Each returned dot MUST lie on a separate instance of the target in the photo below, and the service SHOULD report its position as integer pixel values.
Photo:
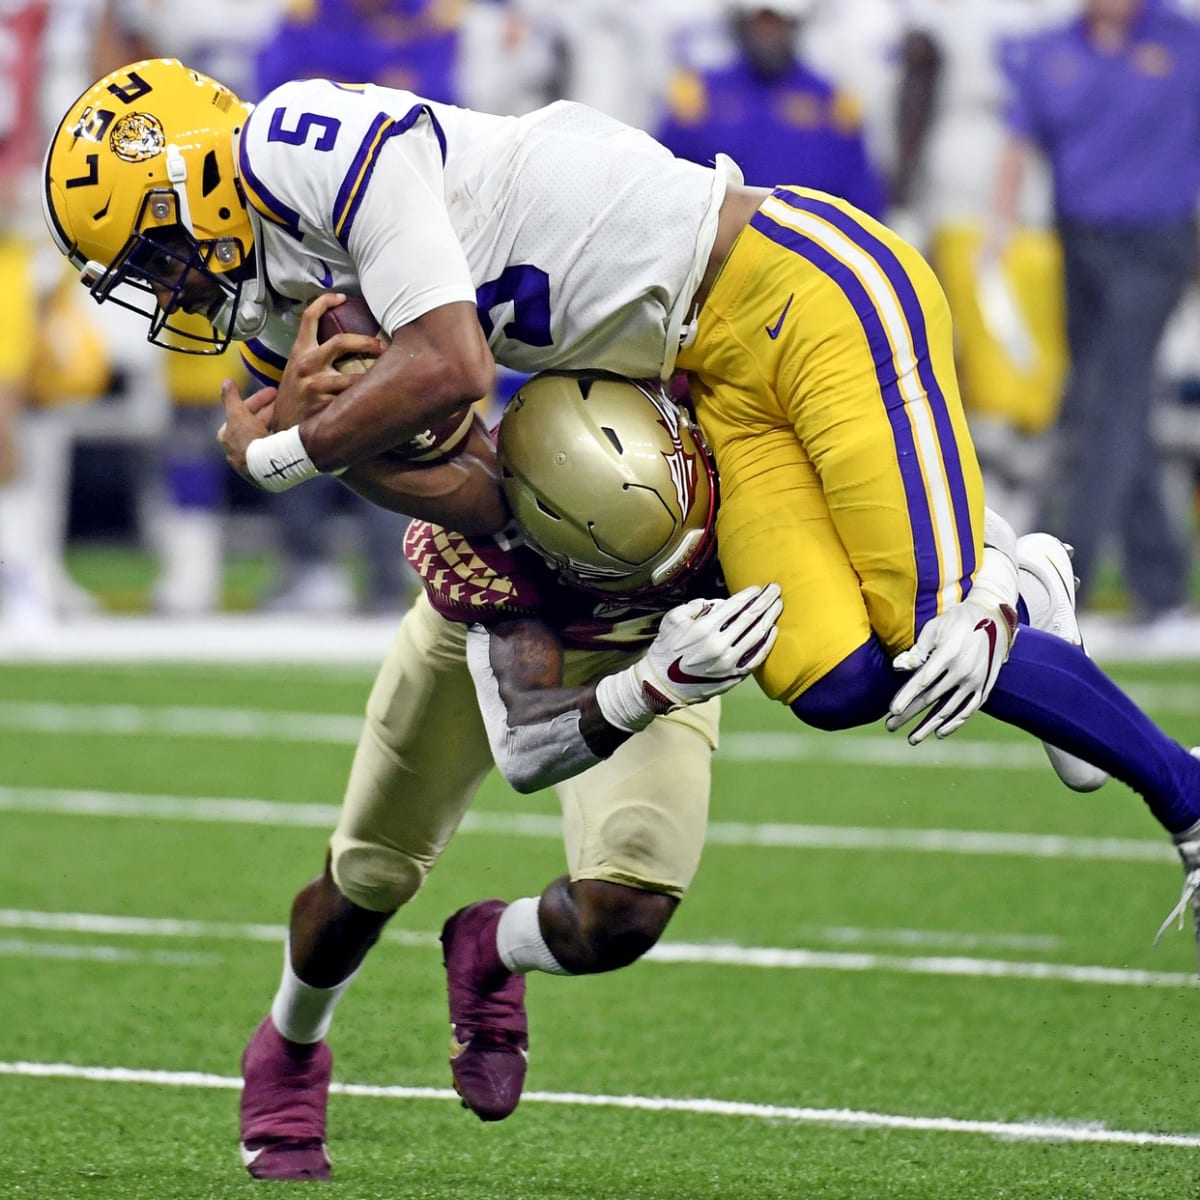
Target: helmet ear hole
(611, 434)
(545, 508)
(210, 176)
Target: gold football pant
(823, 375)
(637, 818)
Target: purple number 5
(529, 290)
(305, 124)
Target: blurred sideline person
(502, 660)
(526, 655)
(771, 113)
(50, 358)
(185, 517)
(1005, 292)
(1112, 100)
(817, 344)
(411, 44)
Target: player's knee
(856, 692)
(379, 878)
(618, 924)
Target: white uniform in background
(967, 131)
(350, 182)
(217, 37)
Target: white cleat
(1048, 589)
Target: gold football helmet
(140, 193)
(609, 480)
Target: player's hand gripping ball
(433, 445)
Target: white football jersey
(580, 240)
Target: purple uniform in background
(795, 128)
(1117, 113)
(408, 44)
(1121, 129)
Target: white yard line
(1027, 1131)
(169, 927)
(848, 935)
(673, 953)
(132, 720)
(12, 948)
(246, 811)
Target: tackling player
(506, 660)
(817, 342)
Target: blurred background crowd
(1044, 154)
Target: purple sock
(1053, 690)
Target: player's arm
(460, 492)
(432, 367)
(542, 732)
(920, 71)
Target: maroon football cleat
(284, 1092)
(489, 1034)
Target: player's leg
(1053, 690)
(420, 759)
(633, 830)
(824, 381)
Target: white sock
(302, 1013)
(520, 943)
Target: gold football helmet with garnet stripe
(140, 193)
(609, 481)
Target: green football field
(905, 973)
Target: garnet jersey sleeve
(485, 580)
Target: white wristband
(279, 461)
(621, 702)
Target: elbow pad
(533, 756)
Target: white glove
(955, 662)
(703, 648)
(958, 654)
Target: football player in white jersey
(563, 239)
(818, 346)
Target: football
(354, 316)
(433, 445)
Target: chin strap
(253, 311)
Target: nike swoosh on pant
(773, 330)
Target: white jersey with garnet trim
(486, 580)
